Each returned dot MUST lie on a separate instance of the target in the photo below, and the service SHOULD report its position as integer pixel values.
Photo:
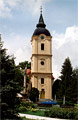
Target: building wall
(47, 86)
(42, 71)
(36, 45)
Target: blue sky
(18, 19)
(58, 15)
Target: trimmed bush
(22, 109)
(63, 113)
(34, 105)
(76, 106)
(25, 106)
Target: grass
(26, 118)
(55, 112)
(44, 108)
(38, 112)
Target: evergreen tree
(73, 89)
(68, 86)
(9, 85)
(56, 89)
(34, 94)
(66, 78)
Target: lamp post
(25, 76)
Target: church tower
(41, 60)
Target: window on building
(42, 46)
(42, 62)
(42, 80)
(42, 37)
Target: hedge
(63, 113)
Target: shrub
(22, 109)
(69, 103)
(34, 105)
(63, 113)
(60, 102)
(33, 110)
(26, 104)
(23, 106)
(34, 95)
(76, 106)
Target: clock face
(42, 37)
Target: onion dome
(41, 27)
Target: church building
(41, 60)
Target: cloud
(4, 9)
(7, 6)
(19, 46)
(34, 5)
(65, 45)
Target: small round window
(42, 62)
(42, 37)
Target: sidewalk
(37, 117)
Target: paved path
(37, 117)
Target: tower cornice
(37, 37)
(42, 54)
(47, 73)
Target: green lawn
(38, 112)
(27, 119)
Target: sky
(18, 19)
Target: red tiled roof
(28, 71)
(53, 77)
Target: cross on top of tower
(41, 20)
(41, 9)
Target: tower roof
(41, 27)
(41, 22)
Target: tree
(66, 77)
(67, 84)
(73, 89)
(75, 81)
(10, 85)
(19, 77)
(22, 65)
(56, 89)
(34, 94)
